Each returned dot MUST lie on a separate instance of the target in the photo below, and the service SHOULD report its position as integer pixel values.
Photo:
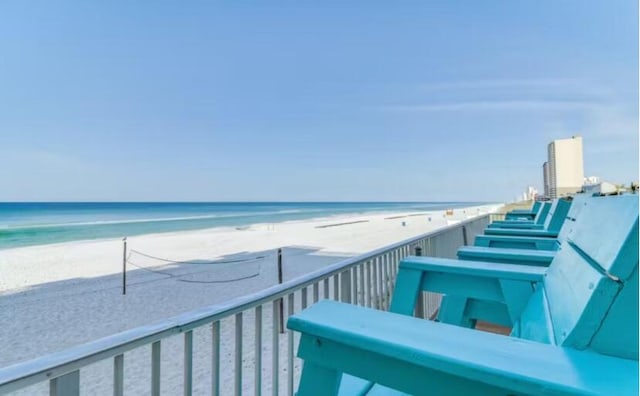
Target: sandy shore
(53, 297)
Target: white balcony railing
(257, 355)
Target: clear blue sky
(302, 100)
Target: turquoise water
(24, 224)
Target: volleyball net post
(124, 266)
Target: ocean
(37, 223)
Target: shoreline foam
(28, 228)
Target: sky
(310, 100)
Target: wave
(296, 211)
(70, 228)
(123, 221)
(6, 227)
(285, 211)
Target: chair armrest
(518, 232)
(516, 242)
(512, 221)
(507, 256)
(470, 280)
(519, 211)
(516, 225)
(474, 268)
(407, 354)
(527, 216)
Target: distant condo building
(545, 178)
(565, 168)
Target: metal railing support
(155, 369)
(65, 385)
(420, 303)
(118, 375)
(345, 286)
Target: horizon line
(247, 201)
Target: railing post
(155, 368)
(65, 385)
(281, 310)
(290, 346)
(124, 265)
(361, 286)
(257, 348)
(188, 363)
(420, 302)
(368, 284)
(118, 375)
(238, 356)
(275, 350)
(465, 241)
(345, 286)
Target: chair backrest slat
(578, 203)
(557, 215)
(536, 206)
(543, 212)
(549, 215)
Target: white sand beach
(56, 296)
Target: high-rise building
(545, 178)
(565, 167)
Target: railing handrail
(55, 364)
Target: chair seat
(417, 356)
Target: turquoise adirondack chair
(537, 216)
(616, 209)
(584, 254)
(527, 214)
(549, 229)
(598, 216)
(539, 219)
(532, 242)
(516, 252)
(575, 325)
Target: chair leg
(452, 311)
(406, 291)
(317, 380)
